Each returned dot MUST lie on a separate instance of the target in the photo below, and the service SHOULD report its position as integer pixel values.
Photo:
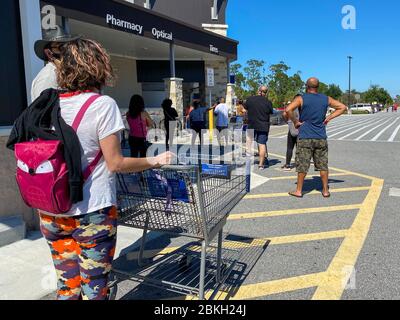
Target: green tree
(334, 91)
(298, 84)
(355, 97)
(323, 88)
(282, 86)
(254, 75)
(279, 83)
(331, 90)
(240, 80)
(376, 94)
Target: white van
(367, 108)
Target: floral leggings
(82, 249)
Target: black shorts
(261, 137)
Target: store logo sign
(124, 24)
(214, 49)
(162, 34)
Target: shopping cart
(192, 201)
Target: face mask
(51, 56)
(56, 56)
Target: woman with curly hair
(82, 242)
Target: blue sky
(308, 36)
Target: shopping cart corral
(191, 201)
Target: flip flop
(295, 195)
(327, 195)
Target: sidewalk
(26, 268)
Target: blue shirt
(313, 114)
(222, 112)
(198, 115)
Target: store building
(159, 49)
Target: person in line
(48, 50)
(240, 112)
(197, 119)
(188, 110)
(259, 110)
(82, 241)
(139, 121)
(222, 112)
(170, 117)
(312, 141)
(292, 137)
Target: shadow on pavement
(180, 269)
(316, 184)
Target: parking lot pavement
(380, 127)
(300, 248)
(344, 247)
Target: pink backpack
(42, 173)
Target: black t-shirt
(170, 114)
(259, 110)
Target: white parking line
(394, 192)
(384, 130)
(353, 132)
(362, 125)
(391, 139)
(347, 119)
(346, 124)
(369, 131)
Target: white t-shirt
(46, 79)
(101, 120)
(222, 111)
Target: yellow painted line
(315, 192)
(309, 176)
(347, 172)
(297, 238)
(338, 274)
(309, 237)
(252, 291)
(330, 284)
(253, 215)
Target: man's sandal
(295, 195)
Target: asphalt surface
(310, 248)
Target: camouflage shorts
(312, 148)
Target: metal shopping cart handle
(178, 167)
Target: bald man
(259, 110)
(312, 142)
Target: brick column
(220, 80)
(174, 90)
(230, 95)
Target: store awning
(134, 19)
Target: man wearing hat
(48, 50)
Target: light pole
(350, 58)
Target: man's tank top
(313, 114)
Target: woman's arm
(149, 120)
(116, 163)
